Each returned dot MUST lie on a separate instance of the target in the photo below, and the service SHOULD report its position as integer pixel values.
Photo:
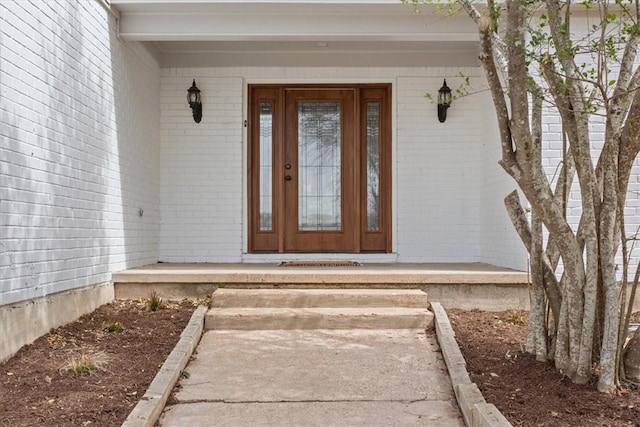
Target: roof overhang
(232, 28)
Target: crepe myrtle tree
(532, 55)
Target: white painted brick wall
(500, 244)
(552, 159)
(202, 170)
(439, 167)
(79, 149)
(552, 145)
(437, 173)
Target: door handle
(287, 166)
(287, 177)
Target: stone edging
(149, 408)
(475, 410)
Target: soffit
(165, 20)
(331, 29)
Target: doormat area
(337, 263)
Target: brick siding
(79, 150)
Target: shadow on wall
(11, 268)
(80, 192)
(57, 238)
(136, 112)
(77, 142)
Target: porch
(387, 180)
(455, 285)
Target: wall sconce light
(444, 101)
(193, 96)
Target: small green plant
(206, 301)
(155, 302)
(516, 319)
(86, 363)
(113, 327)
(184, 374)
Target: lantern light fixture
(444, 101)
(193, 97)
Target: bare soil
(37, 389)
(531, 393)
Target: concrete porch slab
(247, 273)
(455, 285)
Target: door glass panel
(373, 166)
(266, 166)
(319, 179)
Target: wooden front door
(318, 169)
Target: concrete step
(318, 318)
(331, 298)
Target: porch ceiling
(230, 30)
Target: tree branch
(497, 93)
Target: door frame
(381, 241)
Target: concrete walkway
(315, 378)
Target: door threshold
(359, 258)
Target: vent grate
(325, 263)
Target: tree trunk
(610, 223)
(537, 332)
(561, 355)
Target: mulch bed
(531, 393)
(37, 389)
